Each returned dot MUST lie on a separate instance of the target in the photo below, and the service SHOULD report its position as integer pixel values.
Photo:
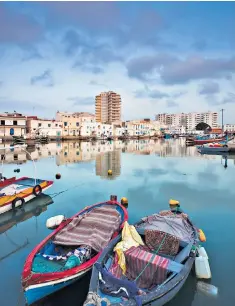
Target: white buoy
(55, 221)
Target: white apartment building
(189, 120)
(44, 127)
(142, 127)
(229, 127)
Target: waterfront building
(43, 127)
(72, 123)
(229, 128)
(144, 127)
(189, 120)
(12, 124)
(108, 107)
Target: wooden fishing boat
(155, 271)
(14, 193)
(52, 264)
(208, 140)
(213, 148)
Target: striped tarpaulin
(94, 229)
(154, 274)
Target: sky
(159, 56)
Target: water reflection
(148, 173)
(100, 151)
(33, 208)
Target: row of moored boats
(132, 264)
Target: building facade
(73, 123)
(144, 127)
(189, 120)
(229, 127)
(108, 107)
(43, 127)
(12, 124)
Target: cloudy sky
(160, 56)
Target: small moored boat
(148, 262)
(71, 250)
(213, 148)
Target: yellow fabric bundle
(130, 238)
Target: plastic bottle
(207, 288)
(202, 252)
(202, 267)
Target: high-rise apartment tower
(108, 107)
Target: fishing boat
(147, 263)
(70, 251)
(14, 193)
(208, 140)
(214, 148)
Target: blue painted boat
(46, 270)
(109, 286)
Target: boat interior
(148, 266)
(76, 243)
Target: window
(65, 131)
(56, 124)
(15, 122)
(39, 124)
(65, 123)
(49, 125)
(11, 131)
(15, 157)
(2, 122)
(77, 123)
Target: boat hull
(37, 292)
(205, 150)
(204, 141)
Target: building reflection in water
(108, 160)
(106, 154)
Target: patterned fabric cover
(154, 267)
(94, 229)
(153, 239)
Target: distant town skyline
(161, 57)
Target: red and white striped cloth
(154, 274)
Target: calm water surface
(148, 173)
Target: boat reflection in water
(33, 209)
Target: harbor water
(148, 173)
